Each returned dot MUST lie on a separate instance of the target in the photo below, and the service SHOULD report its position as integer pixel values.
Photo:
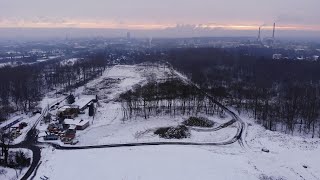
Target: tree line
(171, 97)
(22, 87)
(281, 94)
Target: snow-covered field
(144, 163)
(108, 126)
(290, 157)
(141, 130)
(286, 160)
(229, 162)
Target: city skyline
(143, 14)
(188, 18)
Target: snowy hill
(289, 157)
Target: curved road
(30, 143)
(224, 125)
(242, 125)
(31, 138)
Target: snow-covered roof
(63, 108)
(83, 100)
(76, 122)
(72, 127)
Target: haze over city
(166, 18)
(159, 89)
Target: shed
(80, 124)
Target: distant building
(150, 42)
(128, 36)
(315, 58)
(277, 56)
(300, 58)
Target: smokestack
(274, 29)
(259, 35)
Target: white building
(277, 56)
(315, 58)
(78, 124)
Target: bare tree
(5, 142)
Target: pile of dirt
(178, 132)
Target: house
(77, 124)
(315, 58)
(68, 112)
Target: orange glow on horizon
(94, 24)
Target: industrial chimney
(274, 29)
(259, 35)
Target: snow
(76, 122)
(181, 162)
(30, 120)
(108, 125)
(144, 163)
(5, 64)
(286, 160)
(48, 101)
(13, 120)
(108, 118)
(82, 100)
(141, 130)
(121, 78)
(11, 174)
(69, 62)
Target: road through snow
(31, 139)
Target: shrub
(265, 177)
(178, 132)
(21, 159)
(199, 122)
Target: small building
(68, 112)
(79, 124)
(277, 56)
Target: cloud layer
(158, 13)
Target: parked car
(51, 137)
(74, 142)
(37, 111)
(23, 125)
(265, 150)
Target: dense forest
(22, 87)
(281, 94)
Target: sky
(242, 15)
